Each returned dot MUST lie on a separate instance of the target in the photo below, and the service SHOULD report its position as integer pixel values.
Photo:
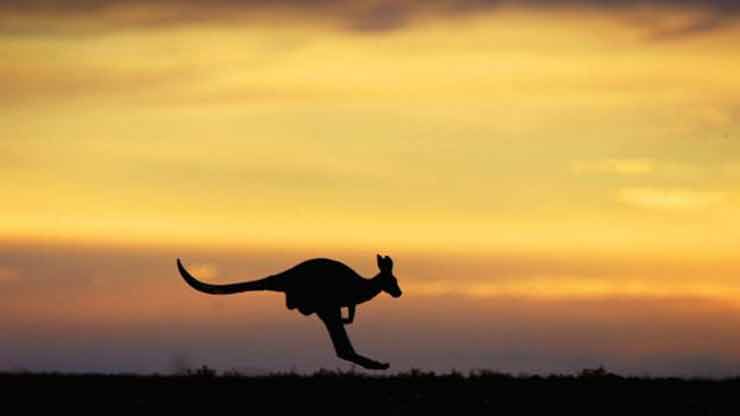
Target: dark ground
(592, 392)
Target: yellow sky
(560, 133)
(514, 127)
(570, 172)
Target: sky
(555, 181)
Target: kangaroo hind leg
(342, 345)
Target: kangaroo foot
(333, 321)
(365, 362)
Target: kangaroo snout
(395, 292)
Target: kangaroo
(321, 286)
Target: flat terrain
(591, 392)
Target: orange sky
(580, 159)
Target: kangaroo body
(321, 286)
(319, 283)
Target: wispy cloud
(697, 25)
(670, 198)
(355, 15)
(638, 166)
(7, 274)
(204, 271)
(579, 287)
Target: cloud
(8, 274)
(696, 25)
(204, 271)
(614, 166)
(578, 287)
(731, 169)
(354, 15)
(670, 198)
(382, 17)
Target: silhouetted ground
(593, 392)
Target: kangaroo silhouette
(321, 286)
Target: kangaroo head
(388, 282)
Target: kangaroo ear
(388, 262)
(379, 260)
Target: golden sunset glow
(572, 152)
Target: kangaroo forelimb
(351, 315)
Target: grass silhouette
(592, 391)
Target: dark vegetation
(594, 391)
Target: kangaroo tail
(261, 284)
